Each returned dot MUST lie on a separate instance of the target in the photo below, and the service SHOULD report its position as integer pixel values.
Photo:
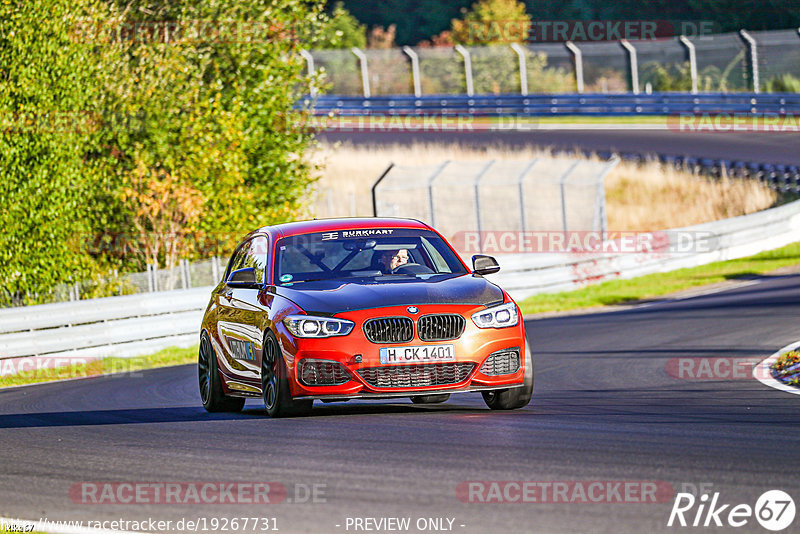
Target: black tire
(513, 398)
(430, 399)
(275, 383)
(211, 394)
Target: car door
(241, 317)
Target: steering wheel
(412, 268)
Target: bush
(194, 133)
(783, 84)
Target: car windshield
(364, 253)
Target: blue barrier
(560, 104)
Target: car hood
(335, 296)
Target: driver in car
(392, 259)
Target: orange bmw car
(371, 308)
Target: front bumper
(355, 352)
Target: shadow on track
(191, 414)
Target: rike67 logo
(774, 510)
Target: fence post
(600, 217)
(521, 190)
(215, 269)
(753, 47)
(150, 283)
(692, 60)
(467, 68)
(312, 90)
(561, 186)
(362, 58)
(577, 60)
(634, 65)
(414, 70)
(523, 68)
(432, 179)
(375, 185)
(476, 185)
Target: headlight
(310, 326)
(497, 316)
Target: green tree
(492, 22)
(342, 30)
(48, 178)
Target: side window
(238, 259)
(257, 257)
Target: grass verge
(660, 284)
(162, 358)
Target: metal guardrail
(559, 104)
(123, 326)
(523, 275)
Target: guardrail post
(577, 61)
(633, 65)
(523, 68)
(432, 179)
(312, 90)
(467, 68)
(362, 58)
(414, 70)
(753, 47)
(690, 50)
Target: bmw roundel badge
(412, 309)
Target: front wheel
(211, 394)
(275, 383)
(513, 398)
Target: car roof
(351, 223)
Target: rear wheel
(275, 383)
(211, 394)
(513, 398)
(430, 399)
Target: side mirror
(484, 264)
(245, 278)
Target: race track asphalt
(604, 409)
(759, 147)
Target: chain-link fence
(184, 276)
(542, 194)
(714, 63)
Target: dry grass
(649, 196)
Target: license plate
(419, 354)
